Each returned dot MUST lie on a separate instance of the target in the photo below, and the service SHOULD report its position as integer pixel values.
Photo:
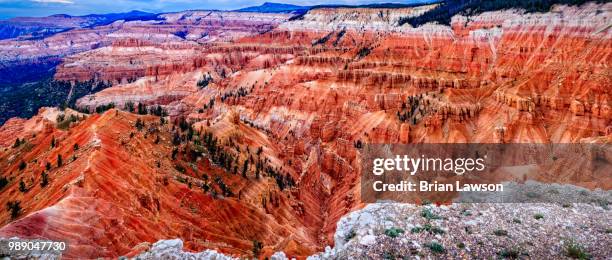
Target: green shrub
(436, 247)
(429, 228)
(500, 232)
(538, 216)
(363, 52)
(428, 214)
(394, 232)
(575, 250)
(509, 253)
(351, 234)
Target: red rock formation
(311, 91)
(109, 193)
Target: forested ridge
(447, 9)
(25, 100)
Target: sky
(13, 8)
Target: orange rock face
(111, 194)
(308, 93)
(138, 48)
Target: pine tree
(3, 182)
(142, 109)
(257, 246)
(245, 167)
(17, 143)
(139, 124)
(129, 106)
(22, 186)
(44, 180)
(15, 208)
(22, 165)
(59, 160)
(174, 153)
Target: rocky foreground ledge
(400, 231)
(173, 249)
(538, 231)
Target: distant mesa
(32, 28)
(268, 7)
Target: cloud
(54, 1)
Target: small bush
(429, 228)
(509, 253)
(436, 247)
(181, 179)
(351, 234)
(391, 256)
(538, 216)
(394, 232)
(603, 203)
(426, 213)
(363, 52)
(468, 229)
(517, 221)
(437, 230)
(575, 250)
(500, 232)
(180, 168)
(139, 124)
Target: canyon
(241, 132)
